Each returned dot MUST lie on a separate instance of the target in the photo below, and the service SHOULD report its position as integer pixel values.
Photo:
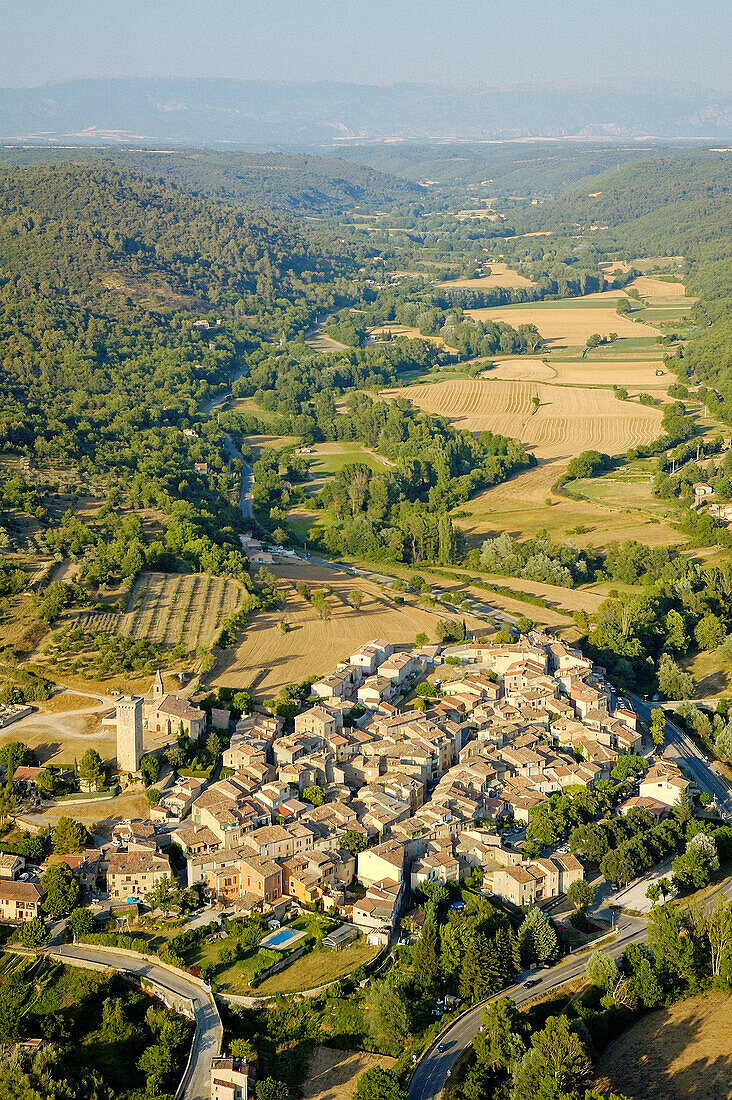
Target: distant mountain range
(224, 112)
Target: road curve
(430, 1075)
(207, 1038)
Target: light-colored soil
(411, 332)
(62, 734)
(333, 1074)
(566, 422)
(270, 659)
(63, 702)
(103, 813)
(635, 374)
(678, 1053)
(565, 326)
(501, 275)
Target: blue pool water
(281, 938)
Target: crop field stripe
(178, 596)
(189, 631)
(169, 597)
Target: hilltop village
(394, 798)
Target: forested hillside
(296, 183)
(125, 303)
(658, 208)
(536, 169)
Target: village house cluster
(408, 796)
(424, 789)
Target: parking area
(633, 896)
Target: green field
(326, 463)
(318, 968)
(625, 492)
(567, 303)
(623, 348)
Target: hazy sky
(492, 41)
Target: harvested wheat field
(268, 658)
(501, 275)
(573, 599)
(395, 330)
(650, 287)
(526, 504)
(638, 373)
(562, 325)
(680, 1053)
(567, 420)
(333, 1074)
(610, 266)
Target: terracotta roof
(10, 890)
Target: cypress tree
(426, 959)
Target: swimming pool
(282, 938)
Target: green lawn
(568, 303)
(300, 523)
(623, 348)
(234, 978)
(654, 314)
(316, 968)
(321, 464)
(624, 493)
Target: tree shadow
(675, 1054)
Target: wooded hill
(666, 208)
(124, 303)
(296, 183)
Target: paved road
(681, 749)
(430, 1075)
(207, 1039)
(245, 496)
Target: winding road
(431, 1072)
(196, 1084)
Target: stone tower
(157, 689)
(129, 733)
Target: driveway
(633, 896)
